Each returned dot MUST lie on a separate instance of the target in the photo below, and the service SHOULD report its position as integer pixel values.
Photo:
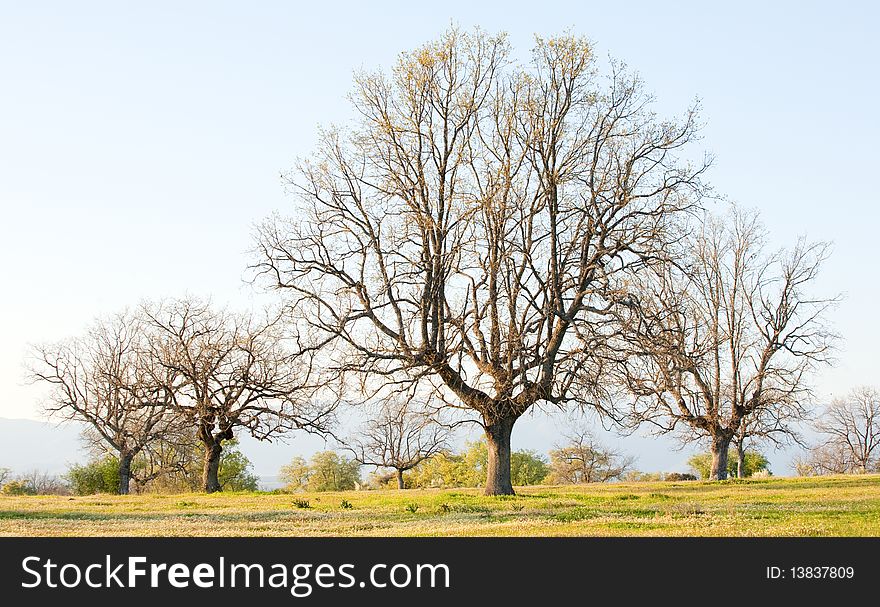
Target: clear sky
(140, 141)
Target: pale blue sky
(139, 142)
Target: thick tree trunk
(400, 479)
(498, 464)
(720, 447)
(740, 461)
(211, 469)
(125, 460)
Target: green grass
(827, 506)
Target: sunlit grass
(828, 506)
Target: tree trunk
(720, 447)
(740, 461)
(400, 479)
(498, 463)
(125, 460)
(211, 469)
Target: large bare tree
(720, 344)
(106, 379)
(398, 437)
(231, 372)
(466, 233)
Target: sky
(140, 142)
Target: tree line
(486, 238)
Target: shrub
(96, 476)
(637, 476)
(528, 468)
(295, 475)
(17, 488)
(236, 473)
(754, 461)
(679, 476)
(446, 469)
(468, 468)
(327, 471)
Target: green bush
(468, 469)
(449, 469)
(18, 488)
(754, 462)
(331, 472)
(96, 476)
(295, 475)
(528, 468)
(326, 471)
(236, 472)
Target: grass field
(829, 506)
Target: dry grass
(829, 506)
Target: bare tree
(41, 482)
(851, 426)
(231, 372)
(105, 379)
(719, 345)
(466, 234)
(823, 459)
(398, 437)
(583, 459)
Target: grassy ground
(829, 506)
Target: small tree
(226, 373)
(296, 474)
(851, 428)
(583, 459)
(106, 379)
(446, 469)
(236, 471)
(824, 459)
(398, 438)
(328, 471)
(528, 468)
